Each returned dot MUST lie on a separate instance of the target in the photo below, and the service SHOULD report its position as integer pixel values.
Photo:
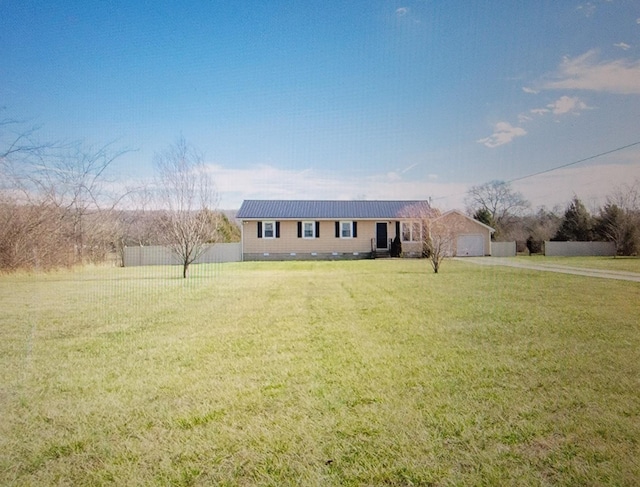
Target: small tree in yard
(438, 242)
(187, 194)
(436, 237)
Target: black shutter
(355, 229)
(337, 229)
(397, 229)
(259, 229)
(277, 229)
(317, 229)
(299, 229)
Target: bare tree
(440, 242)
(136, 222)
(619, 219)
(437, 239)
(499, 201)
(28, 229)
(75, 180)
(626, 196)
(187, 194)
(57, 199)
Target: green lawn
(628, 264)
(328, 373)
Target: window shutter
(397, 229)
(355, 229)
(317, 229)
(337, 229)
(299, 229)
(277, 229)
(259, 229)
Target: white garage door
(470, 246)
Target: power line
(574, 162)
(555, 168)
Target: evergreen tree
(484, 216)
(576, 224)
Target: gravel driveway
(563, 269)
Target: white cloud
(567, 104)
(591, 183)
(531, 91)
(269, 182)
(503, 133)
(402, 11)
(623, 45)
(539, 111)
(585, 73)
(587, 9)
(394, 176)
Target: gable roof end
(458, 212)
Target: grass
(327, 373)
(627, 264)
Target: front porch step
(382, 254)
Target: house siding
(327, 246)
(289, 243)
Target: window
(346, 229)
(406, 232)
(309, 229)
(269, 229)
(416, 231)
(411, 231)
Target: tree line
(62, 205)
(618, 220)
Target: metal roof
(327, 210)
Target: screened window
(346, 229)
(309, 229)
(269, 229)
(411, 231)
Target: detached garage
(472, 238)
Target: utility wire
(574, 162)
(555, 168)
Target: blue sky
(377, 99)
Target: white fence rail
(159, 255)
(579, 249)
(503, 249)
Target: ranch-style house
(321, 229)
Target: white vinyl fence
(159, 255)
(579, 249)
(503, 249)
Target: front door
(381, 235)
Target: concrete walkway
(563, 269)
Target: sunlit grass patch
(628, 264)
(328, 373)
